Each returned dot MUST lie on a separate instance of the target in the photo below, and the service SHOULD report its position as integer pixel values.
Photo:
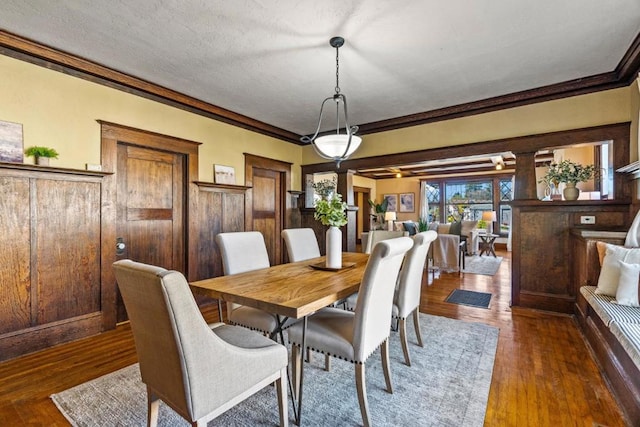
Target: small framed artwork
(224, 174)
(392, 200)
(406, 202)
(11, 149)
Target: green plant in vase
(380, 209)
(569, 173)
(41, 154)
(332, 212)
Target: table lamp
(489, 217)
(390, 217)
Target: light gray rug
(486, 264)
(447, 385)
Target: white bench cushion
(609, 311)
(629, 336)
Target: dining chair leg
(327, 362)
(385, 365)
(282, 398)
(296, 356)
(153, 408)
(362, 393)
(403, 341)
(416, 324)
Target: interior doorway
(361, 196)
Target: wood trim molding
(527, 143)
(36, 53)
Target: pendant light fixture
(335, 146)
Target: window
(455, 199)
(504, 210)
(433, 197)
(468, 199)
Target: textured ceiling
(271, 61)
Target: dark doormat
(471, 298)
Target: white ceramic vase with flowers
(332, 212)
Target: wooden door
(149, 183)
(267, 202)
(150, 208)
(266, 210)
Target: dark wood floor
(544, 374)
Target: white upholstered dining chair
(301, 243)
(376, 236)
(241, 252)
(406, 300)
(354, 336)
(199, 370)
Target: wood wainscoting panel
(544, 249)
(50, 268)
(15, 296)
(67, 249)
(221, 209)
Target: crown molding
(36, 53)
(30, 51)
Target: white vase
(334, 248)
(42, 161)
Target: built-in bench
(613, 332)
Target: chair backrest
(376, 236)
(375, 296)
(407, 296)
(242, 251)
(167, 326)
(301, 244)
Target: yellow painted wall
(398, 186)
(612, 106)
(60, 111)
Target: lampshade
(333, 145)
(389, 216)
(489, 216)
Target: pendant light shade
(335, 146)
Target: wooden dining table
(295, 290)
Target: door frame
(111, 134)
(284, 168)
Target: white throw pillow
(610, 270)
(627, 293)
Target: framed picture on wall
(224, 174)
(11, 149)
(392, 200)
(406, 202)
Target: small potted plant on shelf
(41, 154)
(569, 173)
(332, 212)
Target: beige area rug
(487, 264)
(447, 385)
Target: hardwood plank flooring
(544, 374)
